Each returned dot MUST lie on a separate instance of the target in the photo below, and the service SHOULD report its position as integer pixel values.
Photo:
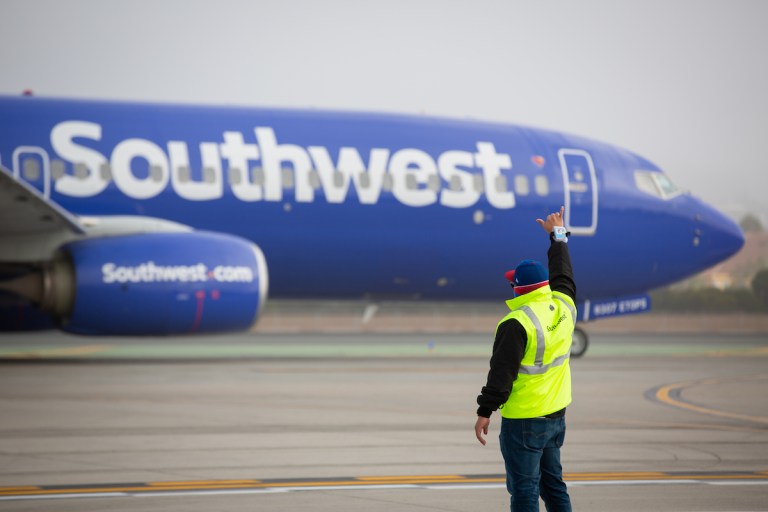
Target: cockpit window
(668, 188)
(657, 184)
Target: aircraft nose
(717, 235)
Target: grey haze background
(681, 82)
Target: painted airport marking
(54, 352)
(419, 346)
(429, 482)
(671, 395)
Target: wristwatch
(559, 234)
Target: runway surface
(351, 422)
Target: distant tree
(751, 224)
(760, 285)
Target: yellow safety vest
(543, 385)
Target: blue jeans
(531, 450)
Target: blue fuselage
(366, 205)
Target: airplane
(129, 218)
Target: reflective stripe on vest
(570, 307)
(538, 366)
(540, 345)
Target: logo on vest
(551, 328)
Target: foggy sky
(681, 82)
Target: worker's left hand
(481, 427)
(553, 219)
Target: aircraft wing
(32, 226)
(24, 210)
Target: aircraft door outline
(580, 191)
(46, 164)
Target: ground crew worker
(530, 378)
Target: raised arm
(559, 259)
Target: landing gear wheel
(580, 342)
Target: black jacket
(509, 345)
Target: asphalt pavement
(374, 422)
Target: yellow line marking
(332, 483)
(188, 486)
(205, 482)
(203, 485)
(759, 351)
(53, 352)
(425, 477)
(663, 395)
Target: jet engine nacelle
(149, 284)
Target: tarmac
(375, 422)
